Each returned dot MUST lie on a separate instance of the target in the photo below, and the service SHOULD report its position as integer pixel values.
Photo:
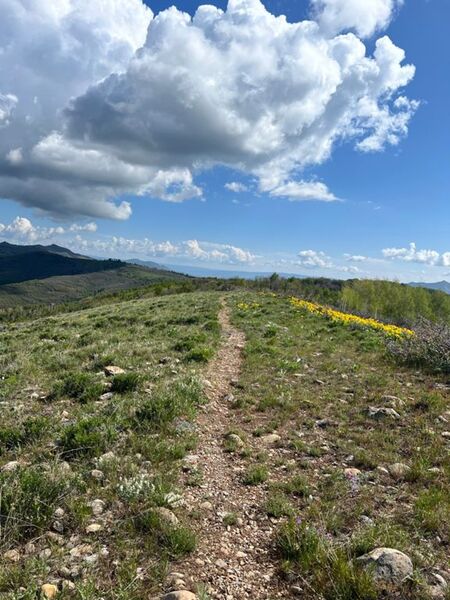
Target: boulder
(387, 565)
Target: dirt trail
(232, 562)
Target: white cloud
(356, 258)
(189, 250)
(15, 156)
(304, 190)
(103, 108)
(363, 16)
(236, 187)
(313, 259)
(22, 230)
(414, 255)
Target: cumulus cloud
(304, 190)
(103, 100)
(415, 255)
(189, 250)
(22, 230)
(313, 259)
(363, 16)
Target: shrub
(87, 437)
(255, 475)
(176, 541)
(28, 499)
(30, 431)
(125, 382)
(278, 506)
(428, 348)
(199, 354)
(82, 387)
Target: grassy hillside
(55, 290)
(336, 449)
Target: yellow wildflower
(348, 319)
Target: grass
(311, 381)
(54, 426)
(255, 475)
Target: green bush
(88, 437)
(28, 498)
(28, 432)
(125, 382)
(82, 387)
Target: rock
(49, 590)
(446, 435)
(106, 396)
(271, 439)
(236, 440)
(12, 555)
(180, 595)
(398, 471)
(107, 457)
(221, 564)
(11, 466)
(94, 528)
(59, 513)
(97, 474)
(190, 463)
(438, 587)
(387, 565)
(324, 423)
(98, 506)
(352, 473)
(207, 506)
(167, 516)
(382, 413)
(81, 550)
(392, 399)
(111, 371)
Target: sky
(298, 136)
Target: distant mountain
(147, 263)
(443, 286)
(225, 274)
(7, 249)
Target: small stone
(58, 526)
(98, 506)
(387, 565)
(68, 585)
(438, 587)
(11, 466)
(12, 555)
(207, 506)
(382, 413)
(107, 457)
(106, 396)
(398, 471)
(221, 564)
(236, 440)
(324, 423)
(97, 474)
(59, 513)
(167, 516)
(271, 439)
(94, 528)
(446, 435)
(352, 473)
(49, 590)
(180, 595)
(111, 371)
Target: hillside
(239, 445)
(52, 274)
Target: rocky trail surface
(232, 561)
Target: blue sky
(383, 200)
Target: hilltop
(226, 443)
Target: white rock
(180, 595)
(387, 564)
(94, 528)
(398, 471)
(111, 371)
(98, 506)
(12, 555)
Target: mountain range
(443, 286)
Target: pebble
(94, 528)
(98, 506)
(49, 590)
(112, 370)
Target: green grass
(52, 423)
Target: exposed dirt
(232, 562)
